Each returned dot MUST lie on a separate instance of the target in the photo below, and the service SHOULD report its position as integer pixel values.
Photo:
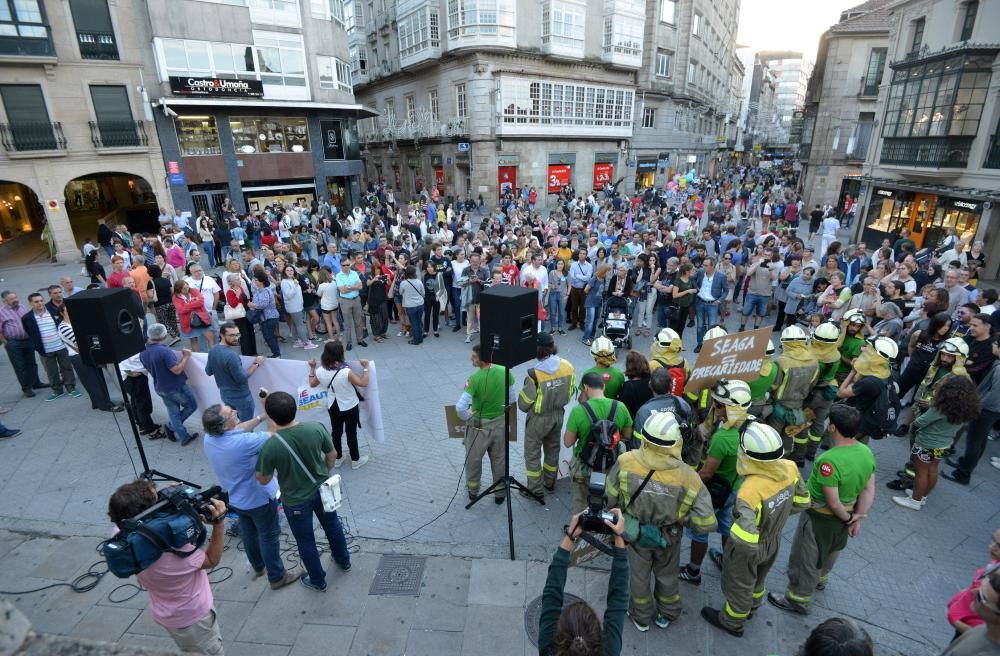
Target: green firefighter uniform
(760, 389)
(820, 400)
(546, 391)
(797, 371)
(821, 536)
(769, 494)
(673, 498)
(482, 406)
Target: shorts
(927, 456)
(758, 301)
(723, 516)
(333, 311)
(310, 308)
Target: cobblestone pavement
(55, 479)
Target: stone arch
(113, 196)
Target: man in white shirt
(535, 272)
(831, 225)
(181, 222)
(207, 286)
(682, 226)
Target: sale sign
(439, 179)
(559, 175)
(603, 173)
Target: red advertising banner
(439, 179)
(559, 175)
(603, 174)
(506, 179)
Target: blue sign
(450, 161)
(464, 147)
(177, 179)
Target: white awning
(356, 110)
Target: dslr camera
(592, 519)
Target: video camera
(175, 521)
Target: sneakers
(359, 463)
(306, 581)
(291, 576)
(468, 339)
(909, 493)
(338, 463)
(642, 628)
(10, 432)
(661, 621)
(908, 502)
(716, 557)
(55, 395)
(690, 574)
(75, 393)
(307, 345)
(297, 344)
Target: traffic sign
(464, 147)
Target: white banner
(291, 376)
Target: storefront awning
(353, 110)
(938, 189)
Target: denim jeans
(209, 248)
(224, 256)
(755, 302)
(456, 304)
(557, 310)
(243, 405)
(267, 327)
(707, 315)
(300, 522)
(260, 530)
(180, 405)
(590, 324)
(416, 316)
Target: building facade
(474, 98)
(936, 163)
(791, 73)
(761, 122)
(253, 102)
(841, 104)
(79, 144)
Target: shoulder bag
(329, 490)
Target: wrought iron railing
(22, 137)
(97, 45)
(868, 88)
(939, 152)
(118, 134)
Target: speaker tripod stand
(508, 482)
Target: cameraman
(575, 629)
(180, 598)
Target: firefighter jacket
(797, 372)
(548, 387)
(828, 358)
(935, 374)
(674, 495)
(769, 493)
(761, 387)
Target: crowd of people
(873, 343)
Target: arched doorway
(21, 222)
(112, 197)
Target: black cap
(545, 339)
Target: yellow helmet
(732, 392)
(793, 334)
(827, 332)
(668, 337)
(602, 346)
(761, 442)
(715, 331)
(662, 429)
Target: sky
(788, 24)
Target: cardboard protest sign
(456, 425)
(735, 357)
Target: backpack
(601, 449)
(885, 412)
(678, 377)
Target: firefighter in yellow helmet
(797, 371)
(770, 491)
(602, 350)
(730, 400)
(653, 486)
(666, 352)
(547, 389)
(699, 401)
(824, 343)
(760, 389)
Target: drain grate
(398, 575)
(533, 613)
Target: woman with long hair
(343, 398)
(412, 292)
(955, 403)
(555, 297)
(94, 269)
(329, 301)
(683, 292)
(291, 297)
(190, 304)
(923, 345)
(263, 301)
(159, 291)
(432, 306)
(235, 310)
(379, 284)
(205, 233)
(635, 391)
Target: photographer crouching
(180, 598)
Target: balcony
(868, 88)
(28, 137)
(936, 152)
(993, 154)
(97, 45)
(118, 134)
(20, 40)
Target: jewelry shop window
(269, 135)
(198, 135)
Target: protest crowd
(867, 344)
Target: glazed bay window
(481, 21)
(198, 135)
(282, 63)
(333, 73)
(530, 106)
(269, 134)
(275, 12)
(419, 35)
(359, 64)
(24, 29)
(183, 57)
(562, 27)
(622, 40)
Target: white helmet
(955, 346)
(662, 429)
(761, 442)
(667, 337)
(885, 347)
(827, 332)
(854, 316)
(715, 331)
(793, 334)
(732, 392)
(602, 346)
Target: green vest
(486, 387)
(760, 387)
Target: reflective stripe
(547, 467)
(533, 474)
(641, 600)
(801, 500)
(525, 397)
(824, 578)
(668, 600)
(815, 438)
(623, 486)
(758, 595)
(686, 504)
(796, 598)
(473, 485)
(760, 511)
(738, 531)
(732, 613)
(705, 521)
(800, 440)
(538, 401)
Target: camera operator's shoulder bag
(329, 490)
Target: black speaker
(107, 324)
(508, 323)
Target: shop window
(889, 214)
(198, 135)
(269, 135)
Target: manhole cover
(534, 612)
(398, 575)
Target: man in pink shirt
(180, 597)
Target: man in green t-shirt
(854, 341)
(578, 431)
(603, 352)
(841, 490)
(482, 407)
(302, 455)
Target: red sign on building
(559, 176)
(439, 179)
(603, 174)
(506, 179)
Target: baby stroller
(617, 322)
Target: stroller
(618, 322)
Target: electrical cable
(128, 450)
